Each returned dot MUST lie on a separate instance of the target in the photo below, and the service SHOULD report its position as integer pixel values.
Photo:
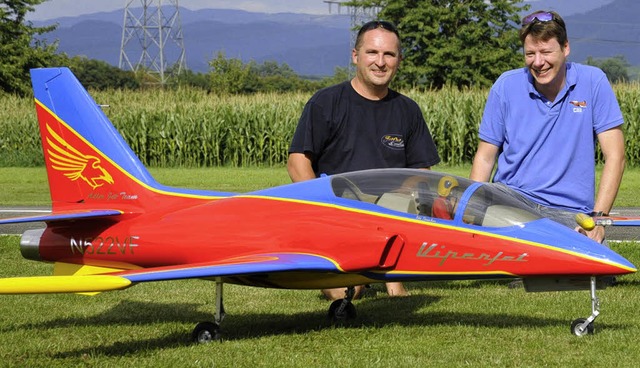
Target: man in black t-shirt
(362, 124)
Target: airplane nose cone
(564, 251)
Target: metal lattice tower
(152, 39)
(359, 16)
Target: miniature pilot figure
(444, 205)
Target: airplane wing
(62, 216)
(617, 221)
(587, 222)
(62, 284)
(241, 266)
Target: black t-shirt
(344, 131)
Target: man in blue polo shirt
(541, 123)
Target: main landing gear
(343, 309)
(584, 326)
(205, 332)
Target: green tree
(340, 74)
(19, 49)
(231, 75)
(190, 78)
(616, 68)
(274, 77)
(100, 75)
(235, 77)
(454, 42)
(272, 68)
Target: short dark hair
(544, 25)
(374, 24)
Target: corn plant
(189, 127)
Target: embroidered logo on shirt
(393, 141)
(579, 105)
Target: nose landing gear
(584, 326)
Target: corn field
(190, 128)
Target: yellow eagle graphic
(73, 164)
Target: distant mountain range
(314, 45)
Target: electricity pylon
(152, 39)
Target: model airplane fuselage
(340, 241)
(113, 226)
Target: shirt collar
(571, 79)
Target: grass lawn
(442, 324)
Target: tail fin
(87, 160)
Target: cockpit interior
(431, 194)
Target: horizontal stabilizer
(62, 216)
(62, 284)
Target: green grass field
(442, 324)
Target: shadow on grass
(627, 282)
(372, 312)
(126, 313)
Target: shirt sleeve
(420, 149)
(606, 110)
(492, 124)
(311, 131)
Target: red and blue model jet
(113, 226)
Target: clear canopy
(426, 193)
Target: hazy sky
(70, 8)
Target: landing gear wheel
(206, 332)
(575, 327)
(341, 310)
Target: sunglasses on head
(378, 24)
(538, 17)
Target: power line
(151, 32)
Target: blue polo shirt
(547, 149)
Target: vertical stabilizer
(87, 160)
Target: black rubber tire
(205, 332)
(576, 331)
(349, 312)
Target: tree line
(445, 43)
